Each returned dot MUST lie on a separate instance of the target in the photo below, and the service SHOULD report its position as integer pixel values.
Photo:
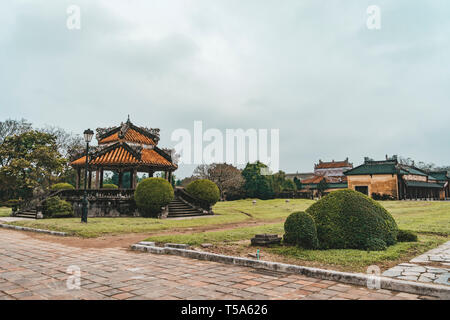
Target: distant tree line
(254, 181)
(422, 165)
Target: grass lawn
(5, 212)
(421, 216)
(424, 217)
(226, 214)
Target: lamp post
(88, 134)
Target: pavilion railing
(116, 194)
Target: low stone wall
(106, 208)
(54, 233)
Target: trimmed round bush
(375, 244)
(110, 186)
(346, 219)
(406, 236)
(62, 186)
(151, 195)
(54, 207)
(205, 190)
(300, 230)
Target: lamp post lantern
(88, 134)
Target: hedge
(151, 195)
(346, 219)
(406, 236)
(300, 229)
(110, 186)
(205, 190)
(54, 207)
(62, 186)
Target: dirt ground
(126, 240)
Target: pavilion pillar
(97, 179)
(130, 185)
(134, 179)
(101, 179)
(150, 173)
(170, 177)
(120, 179)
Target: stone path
(431, 267)
(37, 269)
(12, 219)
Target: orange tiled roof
(121, 155)
(315, 179)
(150, 156)
(333, 164)
(131, 135)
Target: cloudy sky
(312, 69)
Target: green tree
(28, 160)
(298, 183)
(278, 181)
(257, 184)
(289, 185)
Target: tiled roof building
(126, 148)
(333, 168)
(398, 181)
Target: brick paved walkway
(36, 269)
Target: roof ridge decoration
(152, 133)
(333, 164)
(124, 128)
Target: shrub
(110, 186)
(406, 236)
(375, 244)
(347, 219)
(151, 194)
(205, 190)
(62, 186)
(300, 230)
(55, 207)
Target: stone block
(265, 239)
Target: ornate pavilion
(121, 149)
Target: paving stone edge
(440, 291)
(55, 233)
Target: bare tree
(11, 127)
(202, 171)
(418, 164)
(69, 144)
(227, 177)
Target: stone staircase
(28, 213)
(179, 208)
